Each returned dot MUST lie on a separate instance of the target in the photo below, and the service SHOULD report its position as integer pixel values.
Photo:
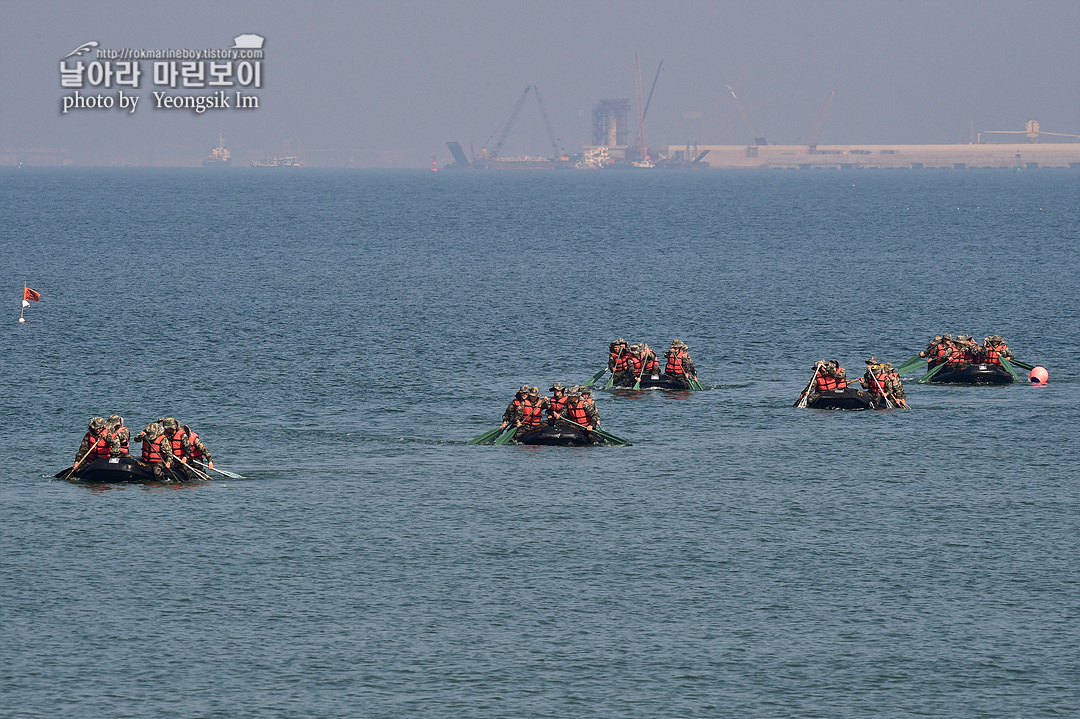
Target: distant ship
(219, 156)
(292, 161)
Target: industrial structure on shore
(613, 148)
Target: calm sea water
(337, 336)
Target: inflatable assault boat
(558, 436)
(850, 398)
(119, 470)
(973, 374)
(664, 381)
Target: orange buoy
(1039, 375)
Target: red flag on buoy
(30, 295)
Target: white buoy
(21, 320)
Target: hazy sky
(390, 82)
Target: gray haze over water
(386, 84)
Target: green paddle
(695, 385)
(600, 433)
(506, 437)
(592, 380)
(1022, 365)
(910, 365)
(1005, 363)
(929, 375)
(487, 437)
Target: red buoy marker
(1039, 375)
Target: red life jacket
(634, 364)
(939, 354)
(151, 450)
(195, 453)
(877, 383)
(557, 404)
(620, 360)
(532, 415)
(825, 382)
(674, 365)
(993, 354)
(99, 446)
(177, 442)
(651, 365)
(576, 412)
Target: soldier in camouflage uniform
(579, 408)
(120, 434)
(152, 435)
(198, 449)
(512, 408)
(894, 386)
(536, 406)
(96, 431)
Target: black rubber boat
(850, 398)
(973, 374)
(664, 381)
(117, 470)
(557, 436)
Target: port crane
(811, 139)
(494, 154)
(643, 107)
(746, 118)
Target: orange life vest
(576, 412)
(151, 450)
(177, 442)
(634, 364)
(532, 415)
(674, 365)
(877, 383)
(557, 404)
(825, 382)
(99, 446)
(620, 360)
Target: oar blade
(595, 378)
(506, 436)
(911, 365)
(1022, 365)
(1008, 367)
(930, 375)
(487, 437)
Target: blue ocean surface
(337, 336)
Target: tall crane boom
(510, 123)
(811, 139)
(742, 111)
(652, 89)
(640, 141)
(547, 124)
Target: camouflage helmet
(557, 387)
(574, 391)
(153, 430)
(96, 423)
(524, 389)
(947, 337)
(963, 338)
(114, 420)
(888, 367)
(534, 391)
(872, 360)
(584, 389)
(170, 423)
(937, 338)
